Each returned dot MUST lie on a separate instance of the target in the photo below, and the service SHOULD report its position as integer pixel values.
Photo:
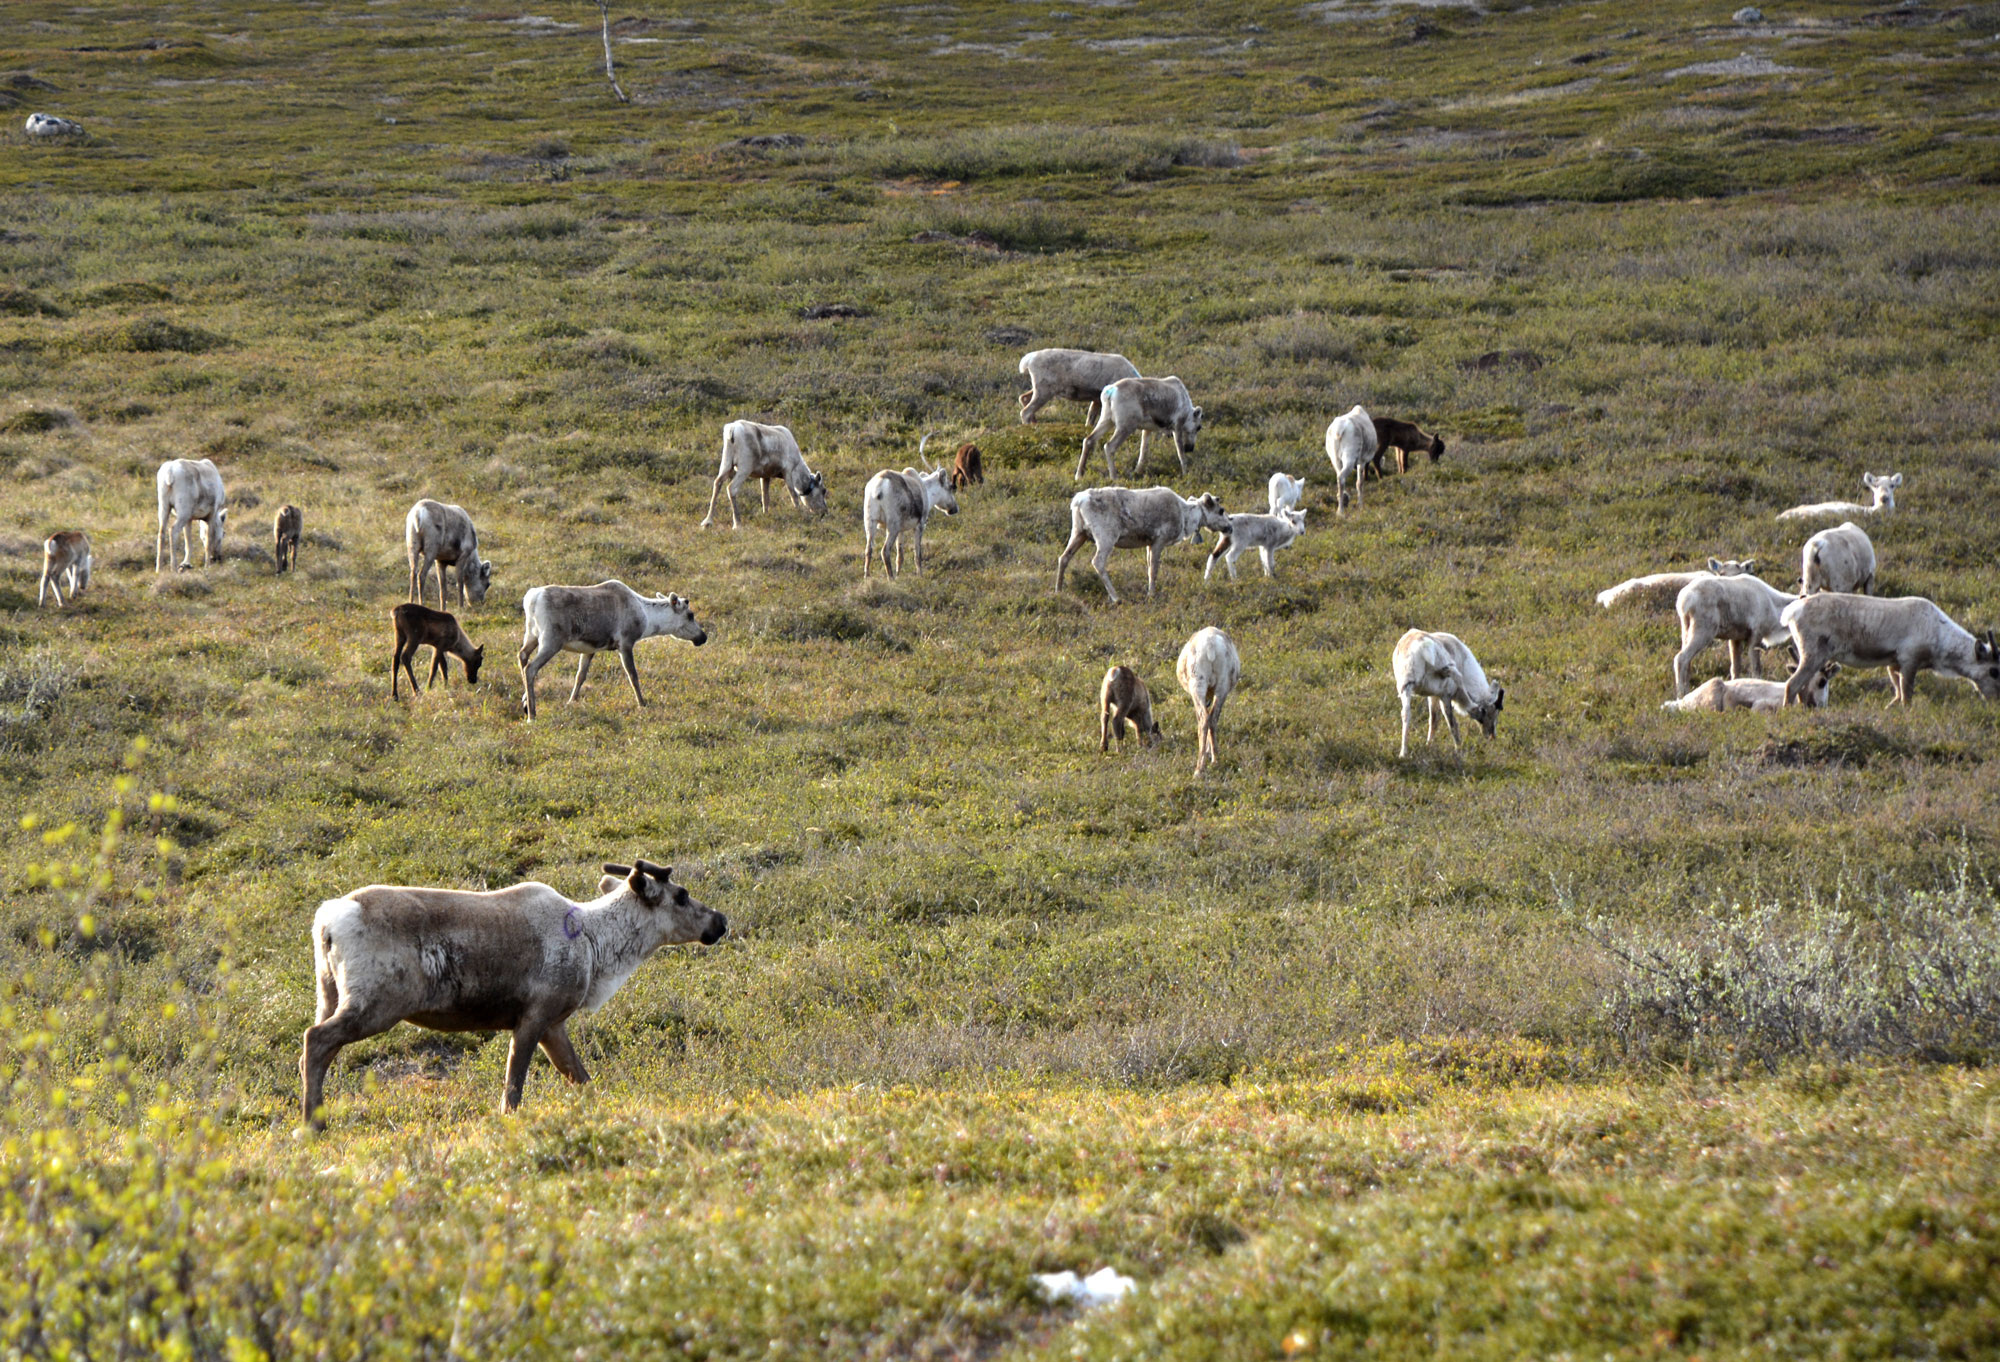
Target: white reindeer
(900, 501)
(1443, 670)
(1264, 533)
(190, 491)
(1208, 670)
(1883, 487)
(1350, 446)
(1285, 491)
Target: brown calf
(965, 469)
(65, 561)
(1123, 698)
(419, 626)
(1405, 439)
(286, 531)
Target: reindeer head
(1815, 694)
(472, 661)
(937, 490)
(1884, 488)
(1487, 716)
(814, 493)
(1729, 567)
(1986, 666)
(1437, 449)
(681, 622)
(676, 916)
(477, 583)
(1210, 515)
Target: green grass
(1323, 1046)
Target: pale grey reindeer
(751, 449)
(523, 959)
(897, 502)
(588, 620)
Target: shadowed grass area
(1335, 1052)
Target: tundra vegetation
(1633, 1035)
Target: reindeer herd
(523, 959)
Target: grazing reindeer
(441, 534)
(966, 468)
(1285, 491)
(1350, 447)
(1906, 634)
(751, 450)
(286, 532)
(899, 501)
(1075, 375)
(1406, 439)
(1208, 670)
(65, 561)
(190, 493)
(1443, 670)
(1123, 699)
(419, 626)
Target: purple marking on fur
(572, 922)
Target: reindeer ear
(1715, 566)
(1500, 700)
(1896, 480)
(621, 871)
(650, 891)
(1749, 565)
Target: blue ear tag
(572, 922)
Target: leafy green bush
(130, 1234)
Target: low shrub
(1879, 974)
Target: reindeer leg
(582, 670)
(323, 1041)
(735, 486)
(1152, 568)
(1076, 538)
(713, 493)
(631, 673)
(1100, 560)
(530, 669)
(1404, 750)
(556, 1045)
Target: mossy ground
(360, 254)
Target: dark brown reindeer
(419, 626)
(286, 530)
(1406, 439)
(1124, 699)
(965, 468)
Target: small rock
(820, 312)
(770, 141)
(1749, 14)
(1009, 335)
(1504, 359)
